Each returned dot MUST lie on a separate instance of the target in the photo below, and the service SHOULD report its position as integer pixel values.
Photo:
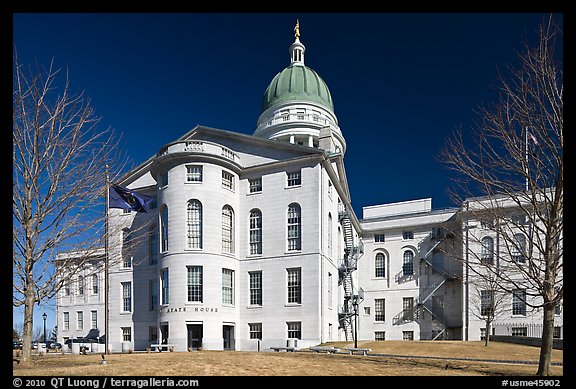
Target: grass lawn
(402, 358)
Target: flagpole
(106, 260)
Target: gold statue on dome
(297, 30)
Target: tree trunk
(547, 341)
(26, 357)
(487, 337)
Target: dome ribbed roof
(297, 83)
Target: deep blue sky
(400, 82)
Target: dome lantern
(297, 104)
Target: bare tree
(514, 166)
(59, 159)
(489, 302)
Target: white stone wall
(394, 287)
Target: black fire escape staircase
(416, 312)
(352, 253)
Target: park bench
(324, 349)
(356, 350)
(287, 349)
(160, 347)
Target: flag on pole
(127, 199)
(532, 138)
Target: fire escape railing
(349, 264)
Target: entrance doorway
(164, 332)
(194, 336)
(228, 335)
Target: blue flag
(127, 199)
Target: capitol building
(251, 242)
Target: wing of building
(251, 243)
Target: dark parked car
(17, 345)
(84, 343)
(51, 345)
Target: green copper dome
(297, 82)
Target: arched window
(408, 264)
(487, 254)
(255, 232)
(164, 231)
(227, 229)
(380, 265)
(80, 285)
(194, 224)
(294, 227)
(95, 284)
(519, 248)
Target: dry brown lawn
(402, 358)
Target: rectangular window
(407, 335)
(519, 331)
(228, 286)
(486, 302)
(164, 285)
(519, 302)
(486, 223)
(557, 332)
(294, 329)
(329, 188)
(227, 180)
(126, 297)
(94, 319)
(127, 334)
(255, 287)
(407, 235)
(379, 238)
(294, 286)
(153, 292)
(193, 173)
(79, 320)
(153, 334)
(67, 288)
(194, 284)
(379, 310)
(66, 320)
(367, 310)
(255, 330)
(255, 185)
(518, 220)
(408, 308)
(438, 232)
(380, 335)
(255, 232)
(294, 178)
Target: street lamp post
(355, 304)
(44, 317)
